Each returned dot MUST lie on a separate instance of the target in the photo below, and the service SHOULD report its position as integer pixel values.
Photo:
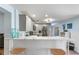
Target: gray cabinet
(22, 22)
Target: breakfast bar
(40, 42)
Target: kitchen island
(36, 42)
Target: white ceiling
(56, 11)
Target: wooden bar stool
(1, 51)
(18, 51)
(56, 51)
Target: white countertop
(43, 38)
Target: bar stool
(57, 51)
(18, 51)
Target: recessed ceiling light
(36, 25)
(33, 15)
(46, 15)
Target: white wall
(14, 14)
(40, 27)
(74, 31)
(7, 25)
(8, 8)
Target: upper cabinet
(29, 24)
(22, 22)
(25, 23)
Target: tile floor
(43, 51)
(38, 52)
(73, 53)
